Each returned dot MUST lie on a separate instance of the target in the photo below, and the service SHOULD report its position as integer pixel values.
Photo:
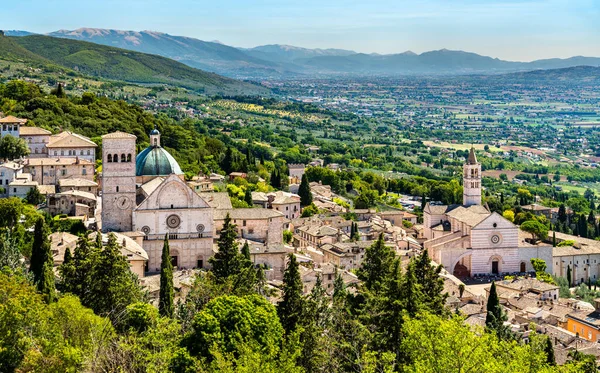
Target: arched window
(155, 141)
(115, 157)
(129, 157)
(81, 152)
(109, 159)
(123, 158)
(88, 152)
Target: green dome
(156, 161)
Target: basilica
(146, 196)
(470, 240)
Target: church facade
(469, 240)
(146, 193)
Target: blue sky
(508, 29)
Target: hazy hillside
(12, 51)
(276, 61)
(210, 56)
(289, 53)
(577, 74)
(119, 64)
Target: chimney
(124, 243)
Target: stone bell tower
(472, 180)
(118, 181)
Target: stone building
(50, 171)
(37, 139)
(8, 173)
(69, 144)
(260, 225)
(11, 126)
(72, 203)
(82, 185)
(162, 205)
(296, 171)
(286, 203)
(582, 257)
(21, 185)
(468, 239)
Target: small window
(123, 158)
(88, 152)
(129, 157)
(109, 159)
(117, 189)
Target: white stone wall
(50, 174)
(188, 252)
(508, 260)
(37, 145)
(541, 252)
(582, 267)
(494, 225)
(289, 210)
(83, 153)
(7, 175)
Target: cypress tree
(227, 162)
(494, 320)
(41, 262)
(275, 179)
(583, 228)
(248, 197)
(246, 252)
(290, 307)
(591, 217)
(165, 303)
(67, 271)
(339, 288)
(562, 213)
(569, 275)
(226, 261)
(304, 192)
(554, 238)
(549, 350)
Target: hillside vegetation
(118, 64)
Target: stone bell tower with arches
(472, 180)
(118, 182)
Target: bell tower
(472, 180)
(118, 181)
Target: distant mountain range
(289, 61)
(118, 64)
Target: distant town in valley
(169, 204)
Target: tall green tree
(392, 309)
(12, 147)
(569, 275)
(226, 261)
(10, 253)
(41, 262)
(432, 284)
(495, 317)
(291, 305)
(67, 271)
(227, 162)
(376, 265)
(114, 286)
(304, 191)
(248, 197)
(165, 302)
(549, 350)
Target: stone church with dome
(147, 193)
(470, 240)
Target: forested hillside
(118, 64)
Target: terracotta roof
(57, 161)
(66, 183)
(472, 158)
(217, 200)
(10, 119)
(12, 165)
(535, 207)
(47, 189)
(33, 131)
(68, 139)
(119, 135)
(468, 215)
